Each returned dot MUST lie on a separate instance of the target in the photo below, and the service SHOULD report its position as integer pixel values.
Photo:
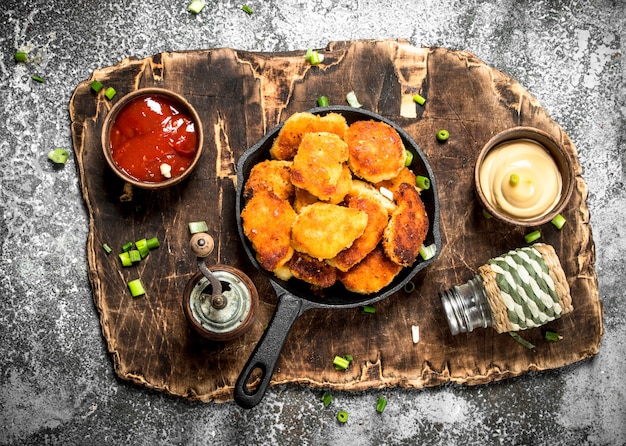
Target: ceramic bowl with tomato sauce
(152, 138)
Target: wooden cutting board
(240, 96)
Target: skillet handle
(266, 353)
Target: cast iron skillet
(294, 297)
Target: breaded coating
(319, 164)
(372, 274)
(297, 125)
(270, 175)
(406, 175)
(363, 188)
(267, 222)
(322, 230)
(376, 150)
(313, 271)
(344, 184)
(407, 228)
(377, 219)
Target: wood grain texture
(240, 96)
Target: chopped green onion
(486, 214)
(408, 158)
(322, 101)
(198, 226)
(21, 56)
(521, 340)
(135, 256)
(532, 236)
(127, 246)
(514, 179)
(125, 259)
(247, 9)
(153, 243)
(136, 288)
(107, 248)
(96, 86)
(442, 135)
(381, 404)
(142, 247)
(558, 221)
(352, 100)
(341, 363)
(419, 99)
(409, 287)
(110, 93)
(58, 156)
(196, 6)
(552, 336)
(326, 399)
(342, 416)
(39, 79)
(368, 309)
(428, 252)
(313, 57)
(348, 358)
(422, 182)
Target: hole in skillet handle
(247, 392)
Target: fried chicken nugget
(376, 150)
(313, 271)
(297, 125)
(319, 164)
(407, 228)
(406, 175)
(372, 274)
(267, 221)
(366, 200)
(270, 175)
(322, 230)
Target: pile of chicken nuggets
(335, 203)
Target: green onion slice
(313, 57)
(368, 309)
(20, 56)
(552, 336)
(96, 86)
(408, 158)
(342, 416)
(136, 288)
(419, 99)
(442, 135)
(39, 79)
(326, 399)
(532, 236)
(558, 221)
(58, 156)
(125, 259)
(198, 226)
(521, 340)
(322, 101)
(153, 243)
(135, 256)
(142, 247)
(341, 363)
(422, 182)
(127, 246)
(110, 93)
(428, 252)
(196, 6)
(381, 404)
(410, 286)
(247, 9)
(107, 248)
(352, 100)
(514, 179)
(486, 214)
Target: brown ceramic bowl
(176, 101)
(558, 153)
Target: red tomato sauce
(149, 132)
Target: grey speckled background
(57, 384)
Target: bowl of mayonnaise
(524, 176)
